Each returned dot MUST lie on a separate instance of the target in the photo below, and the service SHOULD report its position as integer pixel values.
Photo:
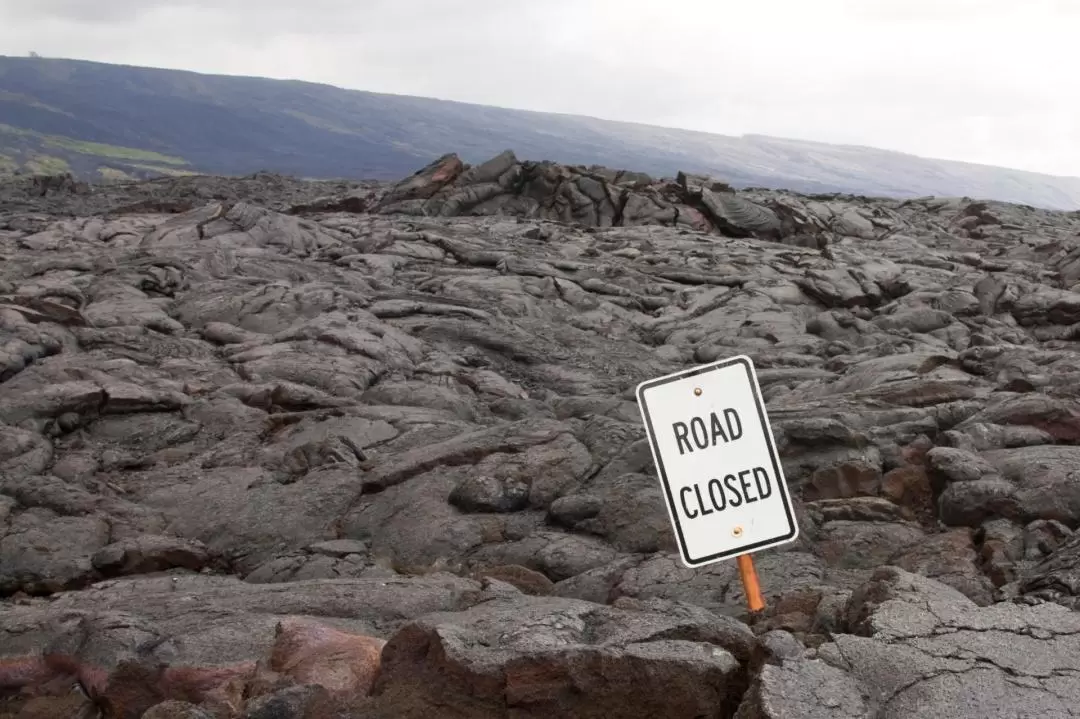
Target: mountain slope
(146, 121)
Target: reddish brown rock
(843, 481)
(313, 653)
(915, 452)
(133, 687)
(909, 487)
(427, 181)
(543, 657)
(794, 612)
(950, 558)
(17, 673)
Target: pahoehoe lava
(278, 448)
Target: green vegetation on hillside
(170, 171)
(37, 152)
(92, 148)
(46, 165)
(319, 122)
(111, 151)
(111, 174)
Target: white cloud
(979, 80)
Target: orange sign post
(748, 574)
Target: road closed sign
(717, 460)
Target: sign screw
(697, 391)
(737, 531)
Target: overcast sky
(991, 81)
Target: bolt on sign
(714, 451)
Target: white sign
(716, 457)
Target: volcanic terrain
(276, 448)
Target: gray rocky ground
(282, 449)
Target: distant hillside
(112, 121)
